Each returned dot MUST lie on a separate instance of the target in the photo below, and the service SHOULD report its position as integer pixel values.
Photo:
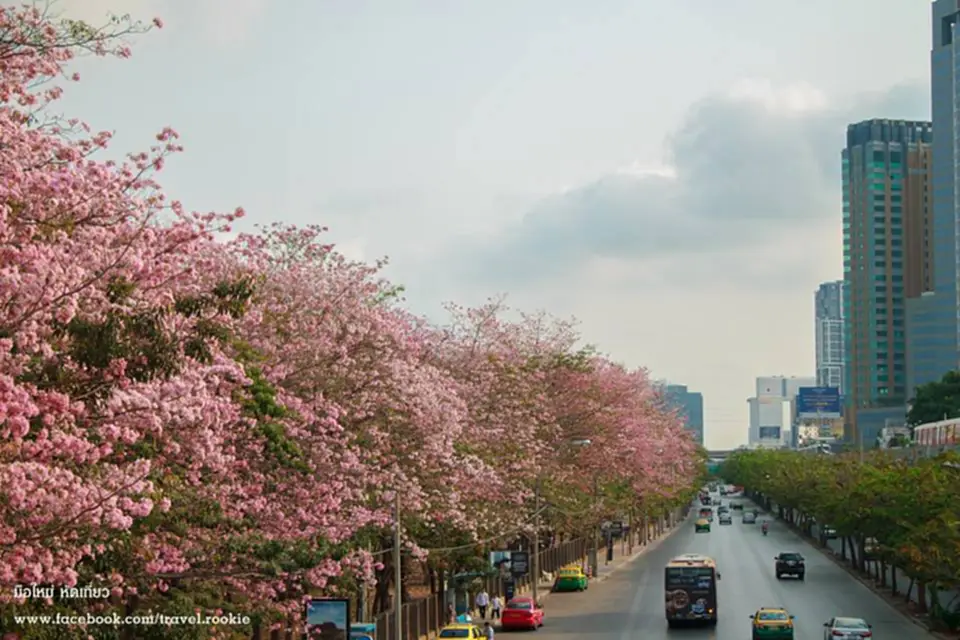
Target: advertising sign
(328, 618)
(519, 563)
(691, 593)
(500, 560)
(769, 433)
(818, 401)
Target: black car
(790, 564)
(736, 506)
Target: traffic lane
(630, 604)
(615, 609)
(827, 591)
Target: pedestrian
(496, 605)
(482, 601)
(488, 631)
(451, 613)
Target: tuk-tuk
(363, 631)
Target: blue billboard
(818, 401)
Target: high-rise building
(772, 409)
(932, 341)
(886, 169)
(828, 325)
(690, 405)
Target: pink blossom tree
(226, 425)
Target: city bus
(690, 582)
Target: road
(629, 605)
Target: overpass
(720, 454)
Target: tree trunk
(126, 632)
(921, 597)
(381, 599)
(893, 578)
(935, 608)
(843, 546)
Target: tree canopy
(935, 401)
(909, 507)
(199, 421)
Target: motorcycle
(765, 527)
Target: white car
(846, 629)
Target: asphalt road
(629, 605)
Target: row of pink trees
(195, 423)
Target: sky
(665, 171)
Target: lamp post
(535, 567)
(595, 542)
(397, 571)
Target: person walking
(488, 631)
(451, 613)
(496, 605)
(482, 601)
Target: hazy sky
(667, 171)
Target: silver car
(749, 518)
(846, 629)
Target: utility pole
(594, 551)
(860, 439)
(397, 571)
(535, 585)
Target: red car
(522, 613)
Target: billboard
(519, 563)
(328, 618)
(769, 433)
(500, 560)
(818, 401)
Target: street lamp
(535, 587)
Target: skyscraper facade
(690, 405)
(828, 327)
(932, 326)
(886, 184)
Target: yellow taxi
(772, 623)
(702, 525)
(571, 578)
(463, 630)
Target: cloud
(751, 176)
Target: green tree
(936, 400)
